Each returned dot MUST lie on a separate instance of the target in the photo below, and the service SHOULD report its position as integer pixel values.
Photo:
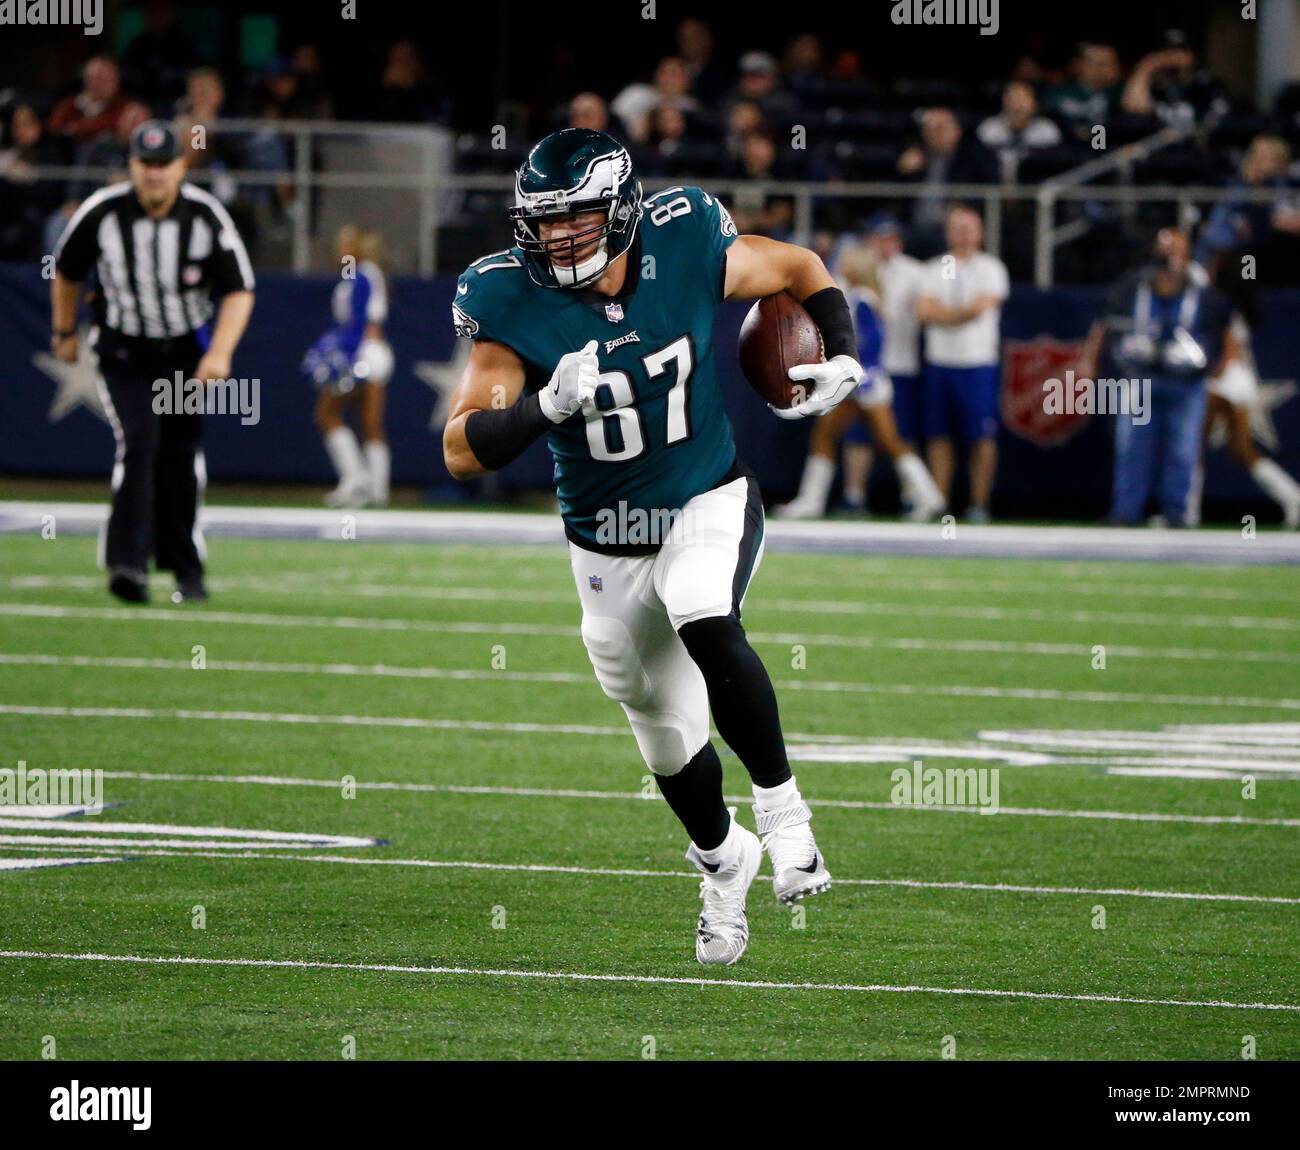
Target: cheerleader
(1234, 394)
(351, 365)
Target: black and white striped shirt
(157, 277)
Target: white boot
(782, 818)
(378, 461)
(814, 488)
(919, 490)
(354, 484)
(1281, 488)
(728, 870)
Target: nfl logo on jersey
(597, 584)
(614, 312)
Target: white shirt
(900, 284)
(974, 343)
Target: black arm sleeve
(497, 437)
(830, 312)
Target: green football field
(371, 799)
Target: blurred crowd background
(716, 94)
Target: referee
(163, 250)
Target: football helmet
(570, 172)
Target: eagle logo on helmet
(575, 172)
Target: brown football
(778, 334)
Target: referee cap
(155, 142)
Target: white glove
(572, 386)
(831, 382)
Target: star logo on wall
(77, 384)
(442, 376)
(1273, 393)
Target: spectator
(667, 151)
(1235, 222)
(1165, 329)
(25, 202)
(1094, 94)
(939, 161)
(754, 210)
(156, 63)
(901, 277)
(1168, 84)
(960, 304)
(110, 151)
(588, 110)
(94, 111)
(207, 148)
(695, 49)
(405, 94)
(310, 101)
(1017, 129)
(803, 66)
(672, 87)
(760, 83)
(743, 117)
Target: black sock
(695, 795)
(741, 696)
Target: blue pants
(1161, 453)
(907, 406)
(961, 402)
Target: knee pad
(668, 741)
(615, 660)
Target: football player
(596, 330)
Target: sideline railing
(437, 189)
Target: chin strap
(586, 270)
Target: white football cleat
(723, 930)
(798, 869)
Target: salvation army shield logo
(1026, 364)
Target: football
(778, 334)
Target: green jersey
(659, 434)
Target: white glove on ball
(831, 382)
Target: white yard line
(782, 638)
(147, 849)
(640, 979)
(524, 589)
(396, 721)
(382, 670)
(831, 607)
(639, 796)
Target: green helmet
(570, 172)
